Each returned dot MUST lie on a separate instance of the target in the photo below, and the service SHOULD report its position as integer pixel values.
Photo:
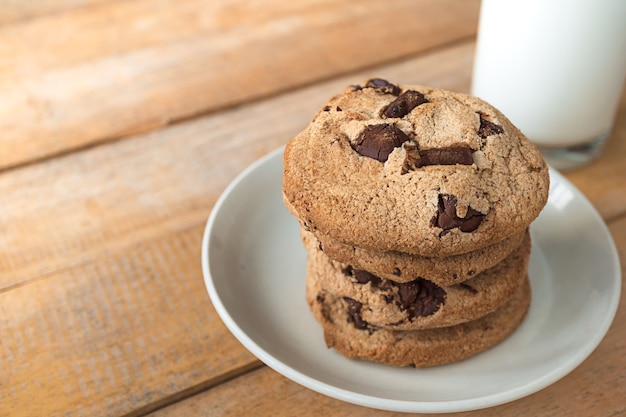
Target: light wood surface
(114, 68)
(123, 121)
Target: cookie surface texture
(420, 304)
(404, 267)
(346, 332)
(413, 169)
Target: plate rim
(400, 405)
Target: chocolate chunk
(415, 159)
(383, 86)
(447, 219)
(385, 285)
(328, 108)
(420, 297)
(378, 141)
(354, 313)
(354, 87)
(397, 272)
(471, 221)
(488, 128)
(360, 276)
(404, 104)
(363, 277)
(445, 156)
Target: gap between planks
(197, 389)
(172, 57)
(155, 125)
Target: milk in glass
(555, 68)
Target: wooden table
(121, 122)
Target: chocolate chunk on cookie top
(413, 169)
(383, 86)
(378, 141)
(404, 104)
(488, 128)
(415, 159)
(447, 218)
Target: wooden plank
(112, 69)
(67, 211)
(12, 11)
(595, 389)
(115, 336)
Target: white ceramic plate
(254, 269)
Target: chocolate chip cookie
(419, 303)
(348, 333)
(413, 169)
(404, 267)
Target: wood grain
(595, 389)
(115, 336)
(71, 209)
(12, 11)
(109, 70)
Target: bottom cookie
(347, 332)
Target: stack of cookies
(414, 205)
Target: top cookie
(413, 169)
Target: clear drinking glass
(556, 69)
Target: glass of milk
(556, 69)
